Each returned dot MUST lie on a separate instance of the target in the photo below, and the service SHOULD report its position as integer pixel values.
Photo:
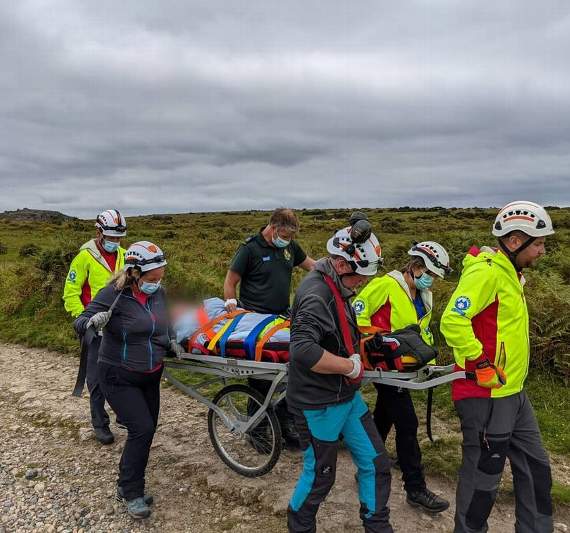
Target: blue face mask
(425, 281)
(110, 246)
(149, 288)
(279, 242)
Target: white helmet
(111, 223)
(145, 255)
(364, 257)
(434, 255)
(528, 217)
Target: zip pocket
(501, 361)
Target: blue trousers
(319, 431)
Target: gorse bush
(28, 250)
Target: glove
(99, 320)
(230, 305)
(354, 377)
(489, 376)
(176, 349)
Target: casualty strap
(341, 312)
(208, 329)
(224, 338)
(268, 334)
(249, 342)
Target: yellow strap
(217, 336)
(270, 332)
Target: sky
(178, 106)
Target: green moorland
(34, 258)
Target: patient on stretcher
(210, 329)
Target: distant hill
(35, 215)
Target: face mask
(110, 246)
(279, 242)
(425, 281)
(149, 288)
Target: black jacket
(136, 337)
(315, 327)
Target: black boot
(427, 500)
(104, 435)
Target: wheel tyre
(273, 424)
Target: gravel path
(55, 477)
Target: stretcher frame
(220, 369)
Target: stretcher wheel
(252, 453)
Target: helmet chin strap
(512, 254)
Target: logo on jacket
(287, 254)
(358, 306)
(266, 258)
(72, 276)
(461, 305)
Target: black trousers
(394, 407)
(135, 397)
(99, 417)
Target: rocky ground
(55, 477)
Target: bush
(3, 249)
(29, 250)
(169, 235)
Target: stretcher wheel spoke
(250, 453)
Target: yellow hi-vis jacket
(487, 317)
(385, 304)
(88, 274)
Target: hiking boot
(138, 509)
(147, 498)
(427, 500)
(291, 436)
(104, 435)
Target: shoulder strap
(341, 312)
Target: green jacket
(88, 274)
(487, 317)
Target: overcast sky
(176, 106)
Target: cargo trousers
(494, 429)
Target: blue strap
(225, 337)
(249, 342)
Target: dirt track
(45, 430)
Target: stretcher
(242, 424)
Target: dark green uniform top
(265, 274)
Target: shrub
(29, 250)
(3, 249)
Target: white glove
(176, 348)
(357, 369)
(230, 305)
(99, 320)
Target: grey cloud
(178, 106)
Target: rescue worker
(132, 313)
(90, 270)
(263, 267)
(325, 372)
(389, 303)
(486, 323)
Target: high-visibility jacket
(385, 304)
(88, 274)
(487, 317)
